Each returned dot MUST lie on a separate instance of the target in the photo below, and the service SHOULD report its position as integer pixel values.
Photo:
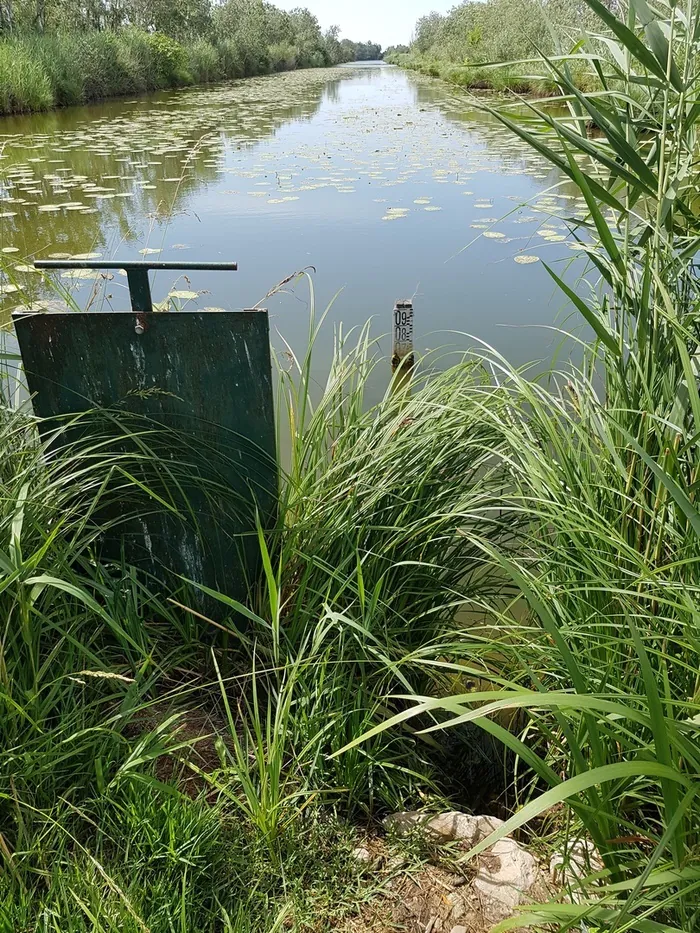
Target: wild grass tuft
(24, 83)
(599, 645)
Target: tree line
(496, 30)
(255, 24)
(62, 52)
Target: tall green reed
(601, 647)
(368, 563)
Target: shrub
(232, 59)
(170, 60)
(136, 54)
(104, 71)
(316, 60)
(283, 56)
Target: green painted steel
(199, 385)
(137, 273)
(139, 290)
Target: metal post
(402, 337)
(139, 290)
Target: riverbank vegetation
(57, 54)
(464, 45)
(486, 562)
(602, 473)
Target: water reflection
(88, 178)
(376, 177)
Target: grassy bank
(42, 72)
(462, 45)
(475, 78)
(72, 54)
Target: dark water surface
(377, 178)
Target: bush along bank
(462, 46)
(474, 77)
(40, 72)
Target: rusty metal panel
(205, 376)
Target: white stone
(445, 827)
(362, 854)
(459, 930)
(506, 875)
(405, 821)
(568, 869)
(456, 902)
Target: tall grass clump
(601, 647)
(204, 62)
(161, 770)
(38, 72)
(109, 709)
(369, 564)
(24, 83)
(57, 58)
(76, 664)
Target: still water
(388, 184)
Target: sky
(389, 22)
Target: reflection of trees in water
(331, 92)
(203, 127)
(369, 73)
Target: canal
(384, 184)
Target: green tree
(181, 19)
(427, 29)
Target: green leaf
(630, 41)
(658, 41)
(576, 785)
(602, 333)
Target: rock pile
(503, 877)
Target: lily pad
(84, 274)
